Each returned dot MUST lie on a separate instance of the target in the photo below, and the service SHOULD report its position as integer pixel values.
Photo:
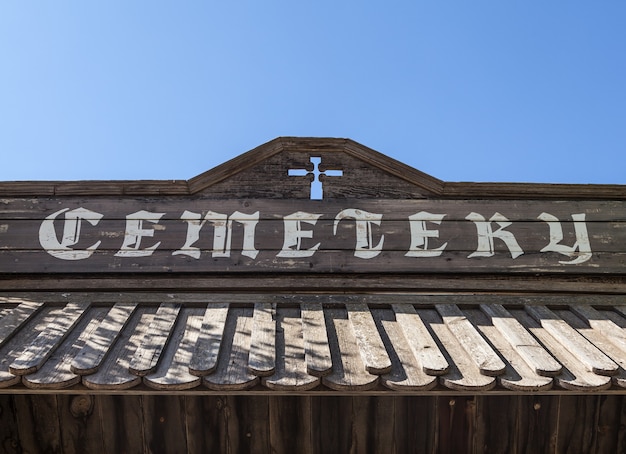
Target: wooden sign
(323, 232)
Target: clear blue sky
(465, 91)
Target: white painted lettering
(581, 250)
(420, 235)
(486, 235)
(364, 242)
(71, 234)
(135, 232)
(222, 233)
(292, 246)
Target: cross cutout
(317, 191)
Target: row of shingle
(346, 347)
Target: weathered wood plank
(488, 362)
(38, 423)
(81, 426)
(56, 372)
(600, 339)
(164, 428)
(262, 358)
(114, 373)
(146, 357)
(121, 418)
(575, 375)
(607, 327)
(517, 376)
(97, 346)
(349, 372)
(316, 347)
(290, 425)
(291, 371)
(406, 372)
(323, 261)
(371, 347)
(172, 372)
(19, 342)
(455, 209)
(232, 371)
(463, 374)
(205, 355)
(9, 434)
(590, 356)
(49, 339)
(524, 343)
(420, 340)
(15, 319)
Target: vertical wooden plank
(454, 424)
(416, 427)
(38, 423)
(254, 410)
(577, 424)
(621, 438)
(495, 426)
(331, 421)
(608, 429)
(290, 424)
(121, 418)
(9, 436)
(205, 424)
(373, 424)
(81, 429)
(164, 424)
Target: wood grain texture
(172, 372)
(525, 345)
(55, 372)
(371, 347)
(575, 375)
(349, 372)
(406, 374)
(262, 358)
(97, 346)
(114, 373)
(232, 372)
(464, 373)
(291, 368)
(16, 317)
(420, 340)
(49, 339)
(586, 353)
(146, 357)
(205, 354)
(316, 347)
(518, 375)
(488, 362)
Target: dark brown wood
(38, 423)
(121, 418)
(9, 434)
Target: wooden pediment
(314, 168)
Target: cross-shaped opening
(317, 190)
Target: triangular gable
(302, 168)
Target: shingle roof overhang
(385, 343)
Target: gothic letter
(222, 234)
(364, 242)
(71, 234)
(420, 235)
(556, 236)
(294, 234)
(486, 235)
(135, 232)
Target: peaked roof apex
(317, 145)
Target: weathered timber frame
(409, 335)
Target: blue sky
(465, 91)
